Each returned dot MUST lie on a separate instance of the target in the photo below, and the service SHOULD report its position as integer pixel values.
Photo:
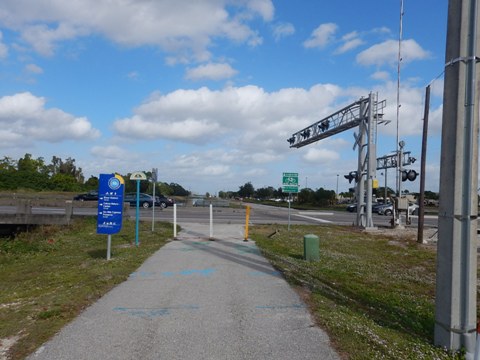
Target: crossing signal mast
(366, 114)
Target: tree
(92, 182)
(247, 190)
(265, 192)
(306, 196)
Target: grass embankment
(373, 295)
(48, 276)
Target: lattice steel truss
(365, 113)
(344, 119)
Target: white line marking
(312, 218)
(315, 213)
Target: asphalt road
(260, 214)
(196, 299)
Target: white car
(412, 209)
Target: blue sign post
(138, 176)
(110, 206)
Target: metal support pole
(153, 207)
(360, 188)
(289, 204)
(370, 159)
(423, 162)
(109, 245)
(137, 213)
(455, 300)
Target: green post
(311, 245)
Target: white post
(211, 222)
(175, 221)
(153, 207)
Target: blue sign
(110, 204)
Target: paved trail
(196, 299)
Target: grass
(373, 295)
(48, 276)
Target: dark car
(146, 200)
(352, 208)
(163, 201)
(89, 196)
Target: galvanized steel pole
(455, 304)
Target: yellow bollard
(247, 217)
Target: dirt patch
(6, 344)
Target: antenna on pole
(399, 62)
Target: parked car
(89, 196)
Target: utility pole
(455, 301)
(423, 162)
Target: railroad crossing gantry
(365, 113)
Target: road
(260, 214)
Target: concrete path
(196, 299)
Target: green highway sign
(290, 182)
(290, 189)
(290, 179)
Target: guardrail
(24, 216)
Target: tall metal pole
(455, 303)
(360, 188)
(371, 159)
(423, 162)
(399, 62)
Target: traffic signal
(352, 175)
(291, 140)
(410, 175)
(305, 134)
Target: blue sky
(209, 91)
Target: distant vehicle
(146, 200)
(200, 202)
(163, 201)
(375, 207)
(413, 209)
(352, 208)
(388, 209)
(89, 196)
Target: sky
(209, 91)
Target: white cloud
(320, 155)
(386, 53)
(249, 115)
(211, 71)
(24, 116)
(112, 152)
(282, 30)
(381, 75)
(350, 41)
(321, 36)
(184, 29)
(34, 69)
